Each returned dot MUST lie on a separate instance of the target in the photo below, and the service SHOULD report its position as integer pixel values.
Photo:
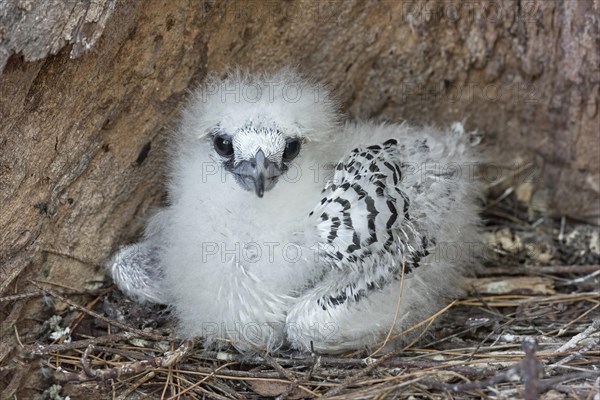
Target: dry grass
(530, 329)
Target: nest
(530, 329)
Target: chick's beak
(258, 173)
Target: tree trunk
(89, 90)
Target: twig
(546, 384)
(578, 338)
(345, 363)
(24, 296)
(591, 345)
(583, 278)
(85, 363)
(554, 269)
(398, 303)
(136, 385)
(253, 374)
(509, 375)
(168, 359)
(41, 349)
(561, 232)
(531, 370)
(429, 320)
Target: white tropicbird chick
(285, 227)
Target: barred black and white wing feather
(364, 210)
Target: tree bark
(89, 91)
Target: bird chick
(286, 227)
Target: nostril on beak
(260, 159)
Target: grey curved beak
(258, 173)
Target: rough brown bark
(36, 29)
(81, 138)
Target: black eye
(292, 148)
(223, 146)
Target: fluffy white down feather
(261, 272)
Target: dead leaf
(274, 389)
(513, 285)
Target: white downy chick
(287, 227)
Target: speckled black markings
(406, 203)
(359, 191)
(378, 163)
(355, 244)
(350, 293)
(335, 224)
(390, 223)
(420, 254)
